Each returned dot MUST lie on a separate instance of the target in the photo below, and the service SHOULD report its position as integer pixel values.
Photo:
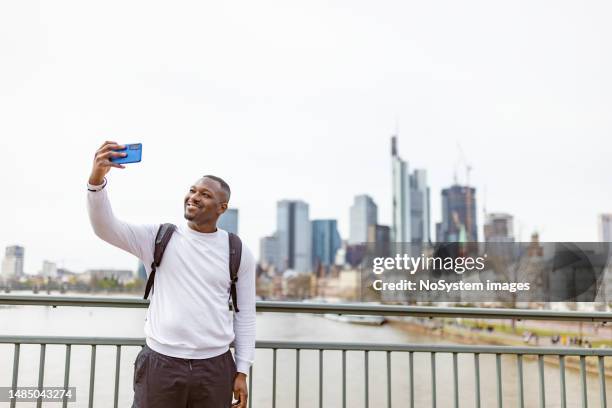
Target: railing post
(320, 378)
(433, 379)
(41, 372)
(297, 378)
(273, 378)
(15, 372)
(388, 379)
(66, 375)
(602, 381)
(542, 384)
(562, 381)
(455, 382)
(92, 375)
(519, 368)
(411, 372)
(367, 379)
(477, 378)
(500, 402)
(583, 383)
(250, 387)
(117, 370)
(343, 378)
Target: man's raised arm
(135, 239)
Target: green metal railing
(338, 308)
(366, 348)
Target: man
(186, 362)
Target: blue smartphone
(134, 154)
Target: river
(76, 321)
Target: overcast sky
(299, 100)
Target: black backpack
(164, 233)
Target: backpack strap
(235, 254)
(164, 233)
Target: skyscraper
(325, 243)
(499, 234)
(379, 239)
(499, 227)
(364, 213)
(228, 221)
(269, 252)
(141, 272)
(12, 265)
(458, 215)
(49, 269)
(293, 232)
(379, 234)
(411, 209)
(605, 227)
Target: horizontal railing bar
(431, 311)
(297, 345)
(90, 301)
(83, 341)
(337, 308)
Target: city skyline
(494, 226)
(366, 204)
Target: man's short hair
(224, 186)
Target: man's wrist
(96, 180)
(96, 185)
(240, 374)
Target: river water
(76, 321)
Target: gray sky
(298, 100)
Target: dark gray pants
(161, 381)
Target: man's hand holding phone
(102, 161)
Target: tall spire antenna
(394, 138)
(396, 125)
(484, 201)
(393, 146)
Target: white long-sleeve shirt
(188, 315)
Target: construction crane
(468, 192)
(463, 161)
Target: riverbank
(463, 335)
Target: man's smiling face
(205, 201)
